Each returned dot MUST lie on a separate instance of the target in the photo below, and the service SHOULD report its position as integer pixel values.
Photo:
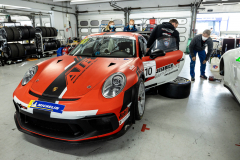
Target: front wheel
(140, 100)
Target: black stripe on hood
(61, 81)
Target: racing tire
(31, 31)
(55, 31)
(21, 50)
(178, 89)
(7, 33)
(139, 100)
(42, 30)
(48, 32)
(54, 45)
(24, 33)
(58, 44)
(33, 49)
(11, 51)
(28, 49)
(16, 34)
(52, 31)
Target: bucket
(215, 64)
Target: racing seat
(126, 46)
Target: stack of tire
(19, 33)
(47, 31)
(51, 45)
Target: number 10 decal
(149, 68)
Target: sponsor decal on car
(149, 68)
(124, 113)
(46, 106)
(238, 60)
(167, 70)
(124, 119)
(132, 67)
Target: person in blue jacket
(110, 27)
(131, 27)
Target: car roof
(126, 34)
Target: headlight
(114, 85)
(29, 75)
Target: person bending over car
(110, 27)
(131, 27)
(164, 29)
(198, 45)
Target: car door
(162, 69)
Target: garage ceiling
(220, 6)
(104, 4)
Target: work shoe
(203, 76)
(192, 78)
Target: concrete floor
(204, 126)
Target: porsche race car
(230, 69)
(98, 90)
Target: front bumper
(39, 124)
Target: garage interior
(206, 125)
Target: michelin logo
(52, 107)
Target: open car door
(163, 62)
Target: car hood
(74, 76)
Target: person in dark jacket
(131, 27)
(164, 29)
(198, 45)
(110, 27)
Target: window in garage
(164, 20)
(84, 30)
(181, 30)
(94, 30)
(182, 21)
(105, 22)
(84, 23)
(94, 23)
(118, 22)
(182, 38)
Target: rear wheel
(179, 88)
(140, 100)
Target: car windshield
(121, 47)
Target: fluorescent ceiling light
(11, 6)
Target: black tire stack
(14, 51)
(47, 31)
(51, 45)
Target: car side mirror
(157, 53)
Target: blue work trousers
(202, 56)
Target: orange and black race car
(98, 90)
